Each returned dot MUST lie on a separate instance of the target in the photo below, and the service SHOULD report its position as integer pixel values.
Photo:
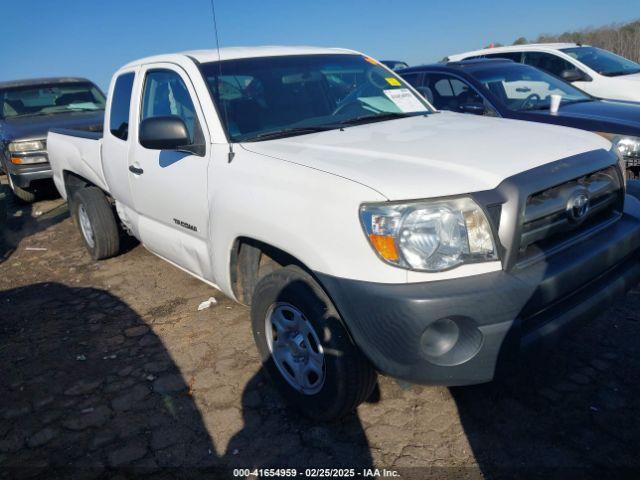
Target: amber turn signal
(385, 246)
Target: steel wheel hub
(295, 348)
(85, 226)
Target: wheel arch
(74, 182)
(250, 260)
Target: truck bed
(77, 152)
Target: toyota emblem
(578, 206)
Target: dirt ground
(108, 370)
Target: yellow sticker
(394, 82)
(371, 60)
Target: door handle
(523, 89)
(136, 170)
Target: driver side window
(451, 93)
(548, 62)
(165, 94)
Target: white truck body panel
(82, 157)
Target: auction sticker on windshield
(404, 100)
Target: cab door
(170, 186)
(116, 144)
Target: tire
(25, 194)
(97, 223)
(348, 378)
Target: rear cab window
(121, 106)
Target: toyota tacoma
(368, 231)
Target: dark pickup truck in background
(28, 109)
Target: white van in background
(598, 72)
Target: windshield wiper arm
(289, 132)
(34, 114)
(562, 104)
(378, 118)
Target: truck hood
(431, 156)
(36, 127)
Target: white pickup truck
(368, 231)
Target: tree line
(623, 39)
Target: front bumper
(22, 176)
(495, 314)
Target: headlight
(626, 145)
(629, 147)
(429, 235)
(30, 146)
(628, 150)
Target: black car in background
(503, 88)
(28, 109)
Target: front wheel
(305, 348)
(97, 223)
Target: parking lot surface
(108, 368)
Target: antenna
(224, 105)
(215, 28)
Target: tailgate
(77, 152)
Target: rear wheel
(97, 222)
(305, 348)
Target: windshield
(50, 99)
(602, 61)
(521, 87)
(267, 97)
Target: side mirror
(574, 75)
(476, 108)
(164, 133)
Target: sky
(92, 39)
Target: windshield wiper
(34, 114)
(378, 118)
(562, 104)
(290, 132)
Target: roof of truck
(31, 82)
(230, 53)
(516, 48)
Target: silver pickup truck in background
(28, 109)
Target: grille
(632, 161)
(561, 214)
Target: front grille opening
(633, 167)
(550, 223)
